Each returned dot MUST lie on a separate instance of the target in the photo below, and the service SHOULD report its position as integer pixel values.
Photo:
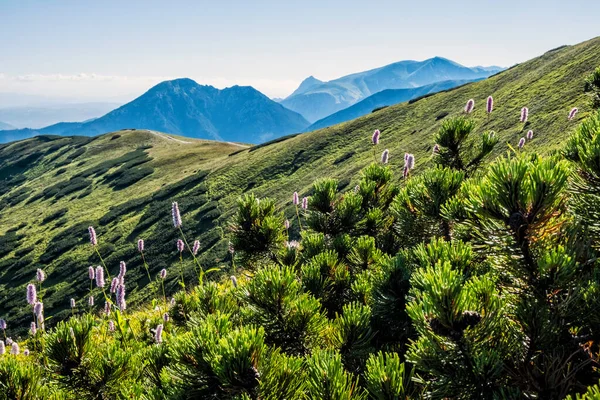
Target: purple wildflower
(121, 297)
(409, 161)
(295, 199)
(158, 333)
(470, 105)
(356, 188)
(384, 156)
(524, 114)
(173, 301)
(529, 134)
(163, 273)
(99, 276)
(122, 271)
(114, 284)
(14, 350)
(176, 215)
(375, 138)
(9, 341)
(31, 294)
(111, 326)
(26, 352)
(572, 113)
(180, 245)
(286, 224)
(91, 273)
(93, 238)
(521, 143)
(141, 245)
(196, 247)
(107, 308)
(38, 309)
(166, 317)
(40, 275)
(233, 280)
(33, 328)
(490, 104)
(405, 172)
(305, 203)
(436, 149)
(2, 348)
(72, 303)
(2, 324)
(91, 301)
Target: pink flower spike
(490, 104)
(180, 245)
(93, 238)
(31, 294)
(163, 273)
(470, 105)
(524, 114)
(40, 275)
(176, 215)
(158, 334)
(529, 134)
(572, 113)
(196, 247)
(91, 273)
(385, 156)
(99, 276)
(295, 199)
(305, 203)
(375, 138)
(286, 224)
(140, 245)
(521, 143)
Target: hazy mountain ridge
(316, 100)
(383, 99)
(184, 107)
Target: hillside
(382, 99)
(183, 107)
(48, 202)
(315, 99)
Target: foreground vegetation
(467, 280)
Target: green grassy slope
(207, 178)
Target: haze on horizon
(114, 51)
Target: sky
(115, 50)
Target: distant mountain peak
(306, 85)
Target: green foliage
(456, 150)
(22, 381)
(418, 208)
(387, 378)
(292, 319)
(258, 231)
(327, 379)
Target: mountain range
(315, 99)
(382, 99)
(52, 188)
(183, 107)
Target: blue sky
(116, 49)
